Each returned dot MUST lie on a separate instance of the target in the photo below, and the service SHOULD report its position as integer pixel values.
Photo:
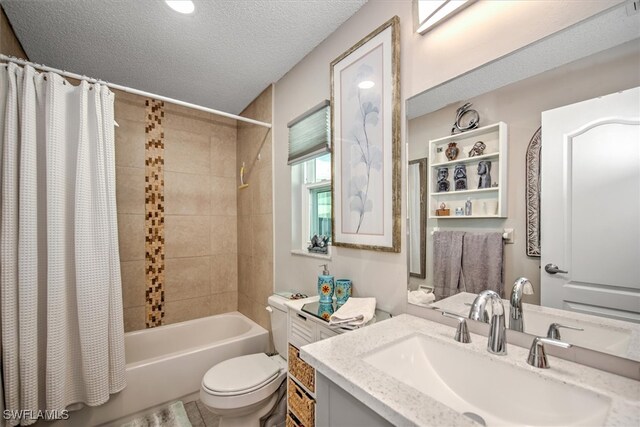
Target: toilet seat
(243, 382)
(240, 375)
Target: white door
(590, 206)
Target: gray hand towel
(447, 262)
(482, 262)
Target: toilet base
(231, 418)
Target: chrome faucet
(516, 315)
(497, 342)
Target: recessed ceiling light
(366, 84)
(181, 6)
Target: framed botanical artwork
(365, 130)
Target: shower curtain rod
(132, 90)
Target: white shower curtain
(60, 290)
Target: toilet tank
(279, 323)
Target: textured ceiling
(222, 56)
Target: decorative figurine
(319, 244)
(452, 151)
(443, 211)
(484, 172)
(460, 177)
(468, 207)
(478, 149)
(473, 122)
(443, 179)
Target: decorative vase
(325, 289)
(452, 151)
(343, 291)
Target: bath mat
(172, 415)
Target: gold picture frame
(366, 148)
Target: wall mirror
(548, 83)
(417, 176)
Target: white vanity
(306, 325)
(410, 371)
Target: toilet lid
(241, 374)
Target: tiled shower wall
(199, 211)
(255, 212)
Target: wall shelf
(483, 199)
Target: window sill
(300, 252)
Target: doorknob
(553, 269)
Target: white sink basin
(477, 385)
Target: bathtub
(167, 363)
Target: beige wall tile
(130, 190)
(186, 309)
(262, 226)
(223, 151)
(244, 305)
(134, 318)
(261, 279)
(245, 268)
(263, 193)
(186, 152)
(188, 120)
(187, 236)
(224, 273)
(224, 234)
(133, 283)
(130, 108)
(245, 199)
(223, 196)
(130, 142)
(131, 237)
(245, 235)
(224, 302)
(186, 194)
(187, 278)
(260, 315)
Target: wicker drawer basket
(292, 421)
(301, 404)
(301, 370)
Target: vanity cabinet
(489, 202)
(303, 329)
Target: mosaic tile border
(154, 213)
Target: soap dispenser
(325, 285)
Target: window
(310, 161)
(316, 198)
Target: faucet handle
(537, 355)
(462, 332)
(554, 330)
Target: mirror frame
(422, 170)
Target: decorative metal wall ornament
(477, 149)
(452, 151)
(484, 172)
(460, 177)
(462, 123)
(532, 171)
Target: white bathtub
(167, 363)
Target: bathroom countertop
(340, 360)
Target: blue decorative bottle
(325, 286)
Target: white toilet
(244, 389)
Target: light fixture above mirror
(430, 13)
(185, 7)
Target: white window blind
(310, 134)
